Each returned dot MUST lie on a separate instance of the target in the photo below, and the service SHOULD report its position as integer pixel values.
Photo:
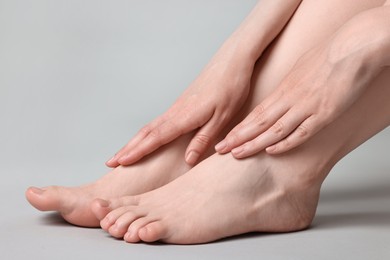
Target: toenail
(107, 221)
(36, 190)
(129, 234)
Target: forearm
(257, 31)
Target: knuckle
(259, 109)
(261, 121)
(302, 131)
(278, 128)
(145, 130)
(233, 139)
(202, 139)
(155, 137)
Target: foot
(220, 197)
(74, 204)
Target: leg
(223, 196)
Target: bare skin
(223, 196)
(74, 203)
(323, 83)
(260, 191)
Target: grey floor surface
(76, 79)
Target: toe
(112, 217)
(124, 201)
(74, 204)
(45, 199)
(152, 232)
(122, 224)
(132, 235)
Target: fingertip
(192, 157)
(112, 164)
(271, 149)
(277, 149)
(221, 146)
(238, 152)
(124, 161)
(128, 159)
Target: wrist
(241, 50)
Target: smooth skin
(324, 82)
(311, 96)
(273, 193)
(218, 93)
(223, 196)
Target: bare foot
(220, 197)
(74, 203)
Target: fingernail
(111, 160)
(270, 149)
(192, 157)
(238, 150)
(221, 146)
(37, 190)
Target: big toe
(45, 199)
(72, 203)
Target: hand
(207, 105)
(218, 93)
(315, 92)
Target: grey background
(79, 77)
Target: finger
(279, 130)
(159, 136)
(258, 121)
(301, 134)
(202, 140)
(141, 134)
(113, 162)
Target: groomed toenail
(36, 190)
(130, 234)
